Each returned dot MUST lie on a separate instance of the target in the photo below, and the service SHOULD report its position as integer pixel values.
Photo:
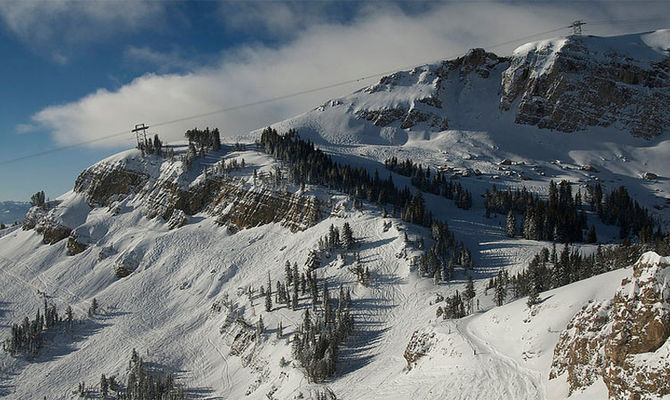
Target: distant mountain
(13, 211)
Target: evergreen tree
(591, 236)
(501, 290)
(260, 327)
(347, 237)
(268, 295)
(469, 293)
(511, 224)
(104, 386)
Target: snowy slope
(188, 285)
(464, 114)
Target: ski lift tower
(140, 132)
(577, 27)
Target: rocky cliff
(624, 340)
(579, 82)
(166, 189)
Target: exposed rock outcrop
(623, 340)
(580, 82)
(245, 208)
(104, 182)
(418, 346)
(427, 105)
(75, 246)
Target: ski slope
(189, 285)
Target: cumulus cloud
(162, 61)
(319, 54)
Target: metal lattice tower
(577, 27)
(140, 132)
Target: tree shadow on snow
(5, 388)
(358, 350)
(3, 310)
(158, 369)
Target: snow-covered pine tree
(268, 295)
(469, 293)
(347, 237)
(260, 327)
(500, 290)
(289, 273)
(511, 223)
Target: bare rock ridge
(164, 190)
(623, 340)
(428, 106)
(579, 82)
(568, 85)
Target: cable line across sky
(304, 92)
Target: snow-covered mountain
(13, 211)
(177, 249)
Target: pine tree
(260, 327)
(280, 330)
(289, 273)
(469, 293)
(104, 386)
(347, 237)
(533, 295)
(591, 236)
(268, 295)
(501, 290)
(511, 224)
(534, 284)
(94, 307)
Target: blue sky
(73, 71)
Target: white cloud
(163, 61)
(320, 54)
(71, 22)
(25, 128)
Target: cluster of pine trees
(444, 254)
(333, 240)
(435, 183)
(618, 208)
(311, 165)
(38, 199)
(142, 385)
(204, 139)
(200, 142)
(560, 218)
(459, 304)
(316, 343)
(362, 274)
(27, 337)
(154, 146)
(551, 269)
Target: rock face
(623, 340)
(174, 195)
(245, 208)
(105, 181)
(580, 82)
(426, 106)
(419, 344)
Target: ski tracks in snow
(514, 381)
